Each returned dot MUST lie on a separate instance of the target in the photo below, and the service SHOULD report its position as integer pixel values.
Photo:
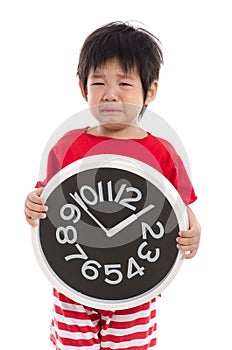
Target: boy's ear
(151, 93)
(82, 90)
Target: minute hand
(121, 225)
(78, 199)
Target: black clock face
(110, 234)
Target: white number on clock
(113, 269)
(91, 196)
(72, 210)
(90, 268)
(68, 234)
(146, 254)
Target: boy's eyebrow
(119, 75)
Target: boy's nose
(110, 95)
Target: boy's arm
(188, 241)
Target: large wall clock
(109, 238)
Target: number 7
(82, 254)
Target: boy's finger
(35, 196)
(34, 214)
(36, 207)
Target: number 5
(112, 268)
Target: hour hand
(78, 199)
(121, 225)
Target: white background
(40, 43)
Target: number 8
(63, 236)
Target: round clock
(109, 238)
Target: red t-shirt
(154, 151)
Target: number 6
(94, 273)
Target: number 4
(134, 269)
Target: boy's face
(116, 97)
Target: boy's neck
(128, 132)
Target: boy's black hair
(132, 47)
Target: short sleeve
(176, 173)
(53, 167)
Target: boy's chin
(116, 126)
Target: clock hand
(128, 221)
(78, 199)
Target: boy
(118, 74)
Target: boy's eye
(98, 83)
(125, 84)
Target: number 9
(73, 210)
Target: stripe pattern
(75, 326)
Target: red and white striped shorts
(75, 326)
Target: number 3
(147, 256)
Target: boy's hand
(188, 241)
(34, 207)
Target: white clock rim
(152, 175)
